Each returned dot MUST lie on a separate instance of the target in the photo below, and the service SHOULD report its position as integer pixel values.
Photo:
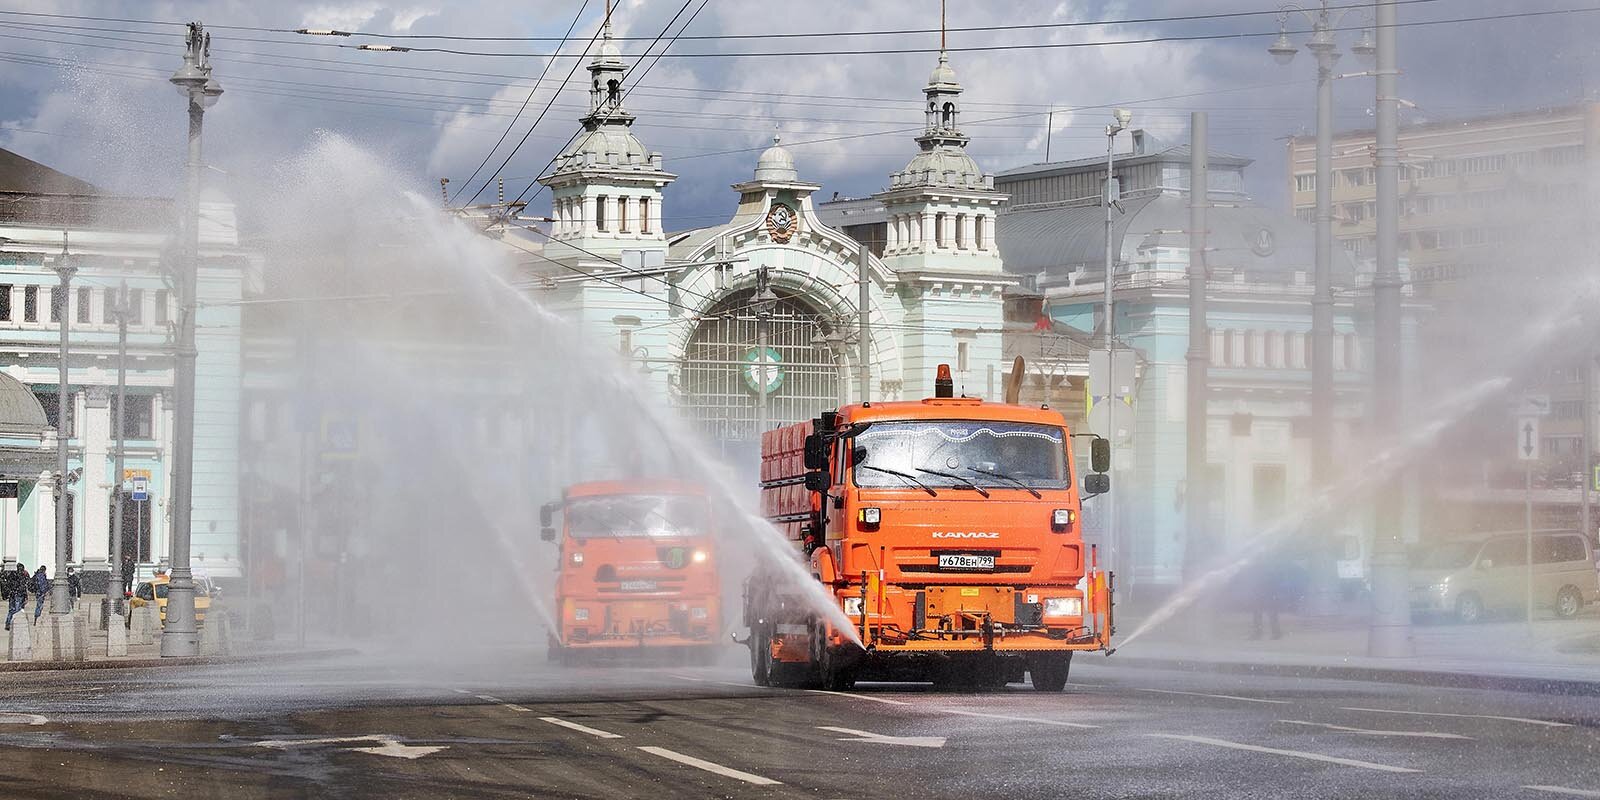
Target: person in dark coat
(1268, 596)
(74, 588)
(14, 584)
(41, 590)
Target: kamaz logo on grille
(965, 535)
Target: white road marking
(387, 745)
(1217, 696)
(726, 772)
(488, 698)
(687, 678)
(596, 732)
(857, 696)
(853, 735)
(84, 690)
(515, 707)
(1008, 718)
(461, 691)
(1544, 722)
(1348, 762)
(1366, 732)
(9, 718)
(1564, 790)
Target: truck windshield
(636, 515)
(1003, 455)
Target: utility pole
(1390, 632)
(116, 633)
(864, 323)
(1197, 544)
(60, 603)
(180, 636)
(1122, 118)
(1587, 370)
(764, 301)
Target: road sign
(1102, 376)
(141, 489)
(1528, 439)
(1534, 405)
(1111, 418)
(341, 437)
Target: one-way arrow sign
(1528, 439)
(878, 738)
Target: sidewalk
(240, 651)
(1561, 657)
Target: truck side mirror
(547, 513)
(816, 452)
(1096, 483)
(818, 481)
(547, 534)
(1100, 454)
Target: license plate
(963, 561)
(637, 586)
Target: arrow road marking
(718, 769)
(1348, 762)
(860, 696)
(1217, 696)
(1543, 722)
(1366, 732)
(878, 738)
(387, 745)
(1035, 720)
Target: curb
(1569, 687)
(182, 661)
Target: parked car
(155, 591)
(1472, 578)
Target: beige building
(1493, 219)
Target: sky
(90, 96)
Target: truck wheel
(836, 677)
(1048, 673)
(1569, 601)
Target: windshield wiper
(1008, 478)
(952, 476)
(898, 474)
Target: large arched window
(722, 367)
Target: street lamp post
(181, 636)
(114, 586)
(1122, 118)
(1324, 46)
(60, 603)
(1390, 632)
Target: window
(1505, 552)
(30, 304)
(1306, 182)
(978, 233)
(1563, 156)
(1306, 215)
(1480, 165)
(108, 306)
(135, 306)
(58, 300)
(1564, 548)
(622, 214)
(1439, 168)
(47, 399)
(939, 232)
(161, 306)
(5, 302)
(961, 233)
(600, 213)
(1566, 409)
(644, 215)
(138, 421)
(84, 293)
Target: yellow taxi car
(155, 591)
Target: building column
(44, 520)
(95, 490)
(891, 236)
(930, 237)
(10, 529)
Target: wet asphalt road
(509, 725)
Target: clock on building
(782, 222)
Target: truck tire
(836, 676)
(1569, 601)
(1048, 673)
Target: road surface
(507, 724)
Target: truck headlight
(577, 558)
(1061, 518)
(699, 556)
(697, 613)
(580, 614)
(870, 516)
(852, 606)
(1063, 606)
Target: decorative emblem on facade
(1262, 242)
(782, 223)
(763, 367)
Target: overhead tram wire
(726, 36)
(513, 123)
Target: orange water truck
(948, 532)
(637, 573)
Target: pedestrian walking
(41, 590)
(74, 588)
(1267, 596)
(127, 576)
(14, 583)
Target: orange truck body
(638, 570)
(957, 584)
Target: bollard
(19, 645)
(116, 636)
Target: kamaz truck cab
(637, 573)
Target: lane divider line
(1348, 762)
(1565, 791)
(1217, 696)
(1525, 720)
(1366, 732)
(718, 769)
(461, 691)
(595, 732)
(515, 707)
(1035, 720)
(856, 696)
